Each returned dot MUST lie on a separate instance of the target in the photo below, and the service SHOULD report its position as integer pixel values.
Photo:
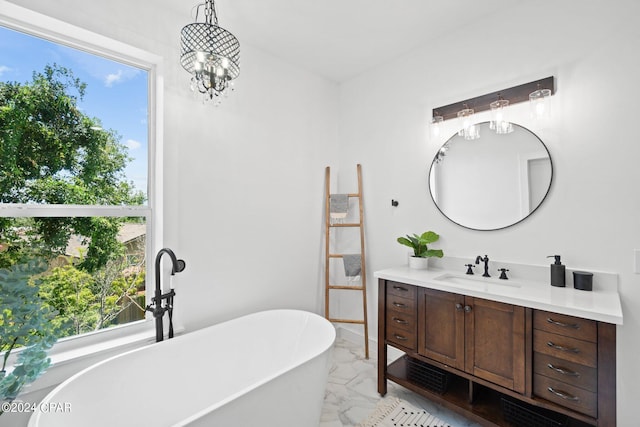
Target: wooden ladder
(328, 255)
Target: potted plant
(421, 253)
(25, 323)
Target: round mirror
(491, 182)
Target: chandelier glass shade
(210, 54)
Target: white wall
(592, 213)
(251, 174)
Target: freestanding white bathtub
(265, 369)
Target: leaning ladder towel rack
(328, 255)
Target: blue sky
(116, 93)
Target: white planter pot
(418, 263)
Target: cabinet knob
(458, 306)
(467, 309)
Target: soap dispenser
(557, 272)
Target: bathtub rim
(34, 419)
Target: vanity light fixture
(211, 54)
(535, 92)
(468, 130)
(499, 116)
(540, 102)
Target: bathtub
(265, 369)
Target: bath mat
(398, 413)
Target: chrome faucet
(486, 264)
(156, 307)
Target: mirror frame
(433, 162)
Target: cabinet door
(441, 327)
(495, 342)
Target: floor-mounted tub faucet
(156, 307)
(486, 264)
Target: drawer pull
(563, 371)
(399, 337)
(400, 321)
(400, 305)
(564, 395)
(563, 325)
(400, 288)
(561, 348)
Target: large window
(78, 136)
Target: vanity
(502, 352)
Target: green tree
(114, 285)
(69, 291)
(52, 153)
(88, 302)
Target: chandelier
(211, 54)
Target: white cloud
(133, 144)
(4, 69)
(112, 78)
(120, 76)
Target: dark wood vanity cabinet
(493, 351)
(481, 337)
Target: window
(79, 133)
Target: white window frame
(37, 24)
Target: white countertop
(602, 304)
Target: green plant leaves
(428, 237)
(25, 321)
(419, 244)
(435, 253)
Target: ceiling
(340, 39)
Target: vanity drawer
(568, 372)
(566, 395)
(401, 336)
(569, 326)
(401, 320)
(401, 305)
(402, 290)
(565, 348)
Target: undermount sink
(476, 282)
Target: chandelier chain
(211, 17)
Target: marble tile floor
(351, 393)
